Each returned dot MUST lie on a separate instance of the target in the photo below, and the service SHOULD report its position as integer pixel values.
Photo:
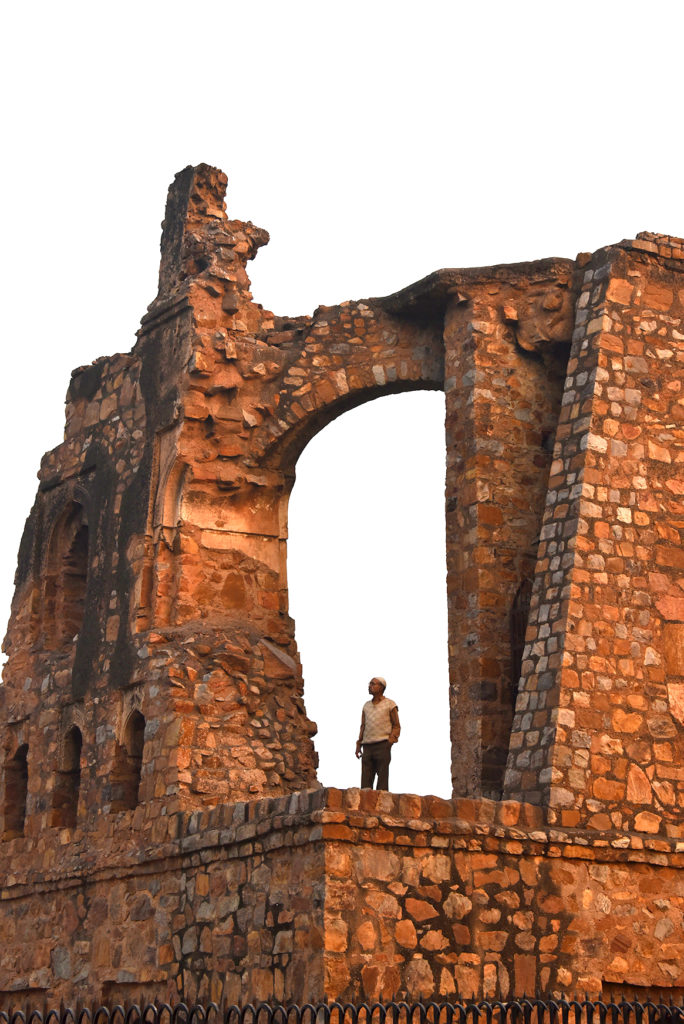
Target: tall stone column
(505, 350)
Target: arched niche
(66, 578)
(16, 790)
(68, 781)
(128, 762)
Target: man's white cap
(379, 679)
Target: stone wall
(598, 732)
(153, 671)
(430, 898)
(345, 894)
(228, 902)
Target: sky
(376, 142)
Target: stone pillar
(503, 388)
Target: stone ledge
(320, 816)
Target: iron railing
(526, 1010)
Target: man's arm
(358, 742)
(396, 728)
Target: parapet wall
(344, 894)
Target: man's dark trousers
(375, 760)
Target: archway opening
(367, 584)
(16, 790)
(68, 782)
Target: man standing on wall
(379, 730)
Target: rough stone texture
(153, 729)
(350, 894)
(598, 730)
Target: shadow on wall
(367, 583)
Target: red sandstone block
(508, 812)
(338, 832)
(436, 808)
(334, 799)
(466, 810)
(531, 815)
(658, 297)
(368, 799)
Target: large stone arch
(252, 388)
(283, 450)
(198, 431)
(230, 487)
(367, 582)
(394, 358)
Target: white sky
(376, 142)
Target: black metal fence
(514, 1011)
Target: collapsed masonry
(163, 830)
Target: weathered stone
(675, 693)
(164, 834)
(638, 787)
(420, 978)
(420, 910)
(457, 906)
(405, 933)
(365, 935)
(673, 648)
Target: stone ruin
(163, 832)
